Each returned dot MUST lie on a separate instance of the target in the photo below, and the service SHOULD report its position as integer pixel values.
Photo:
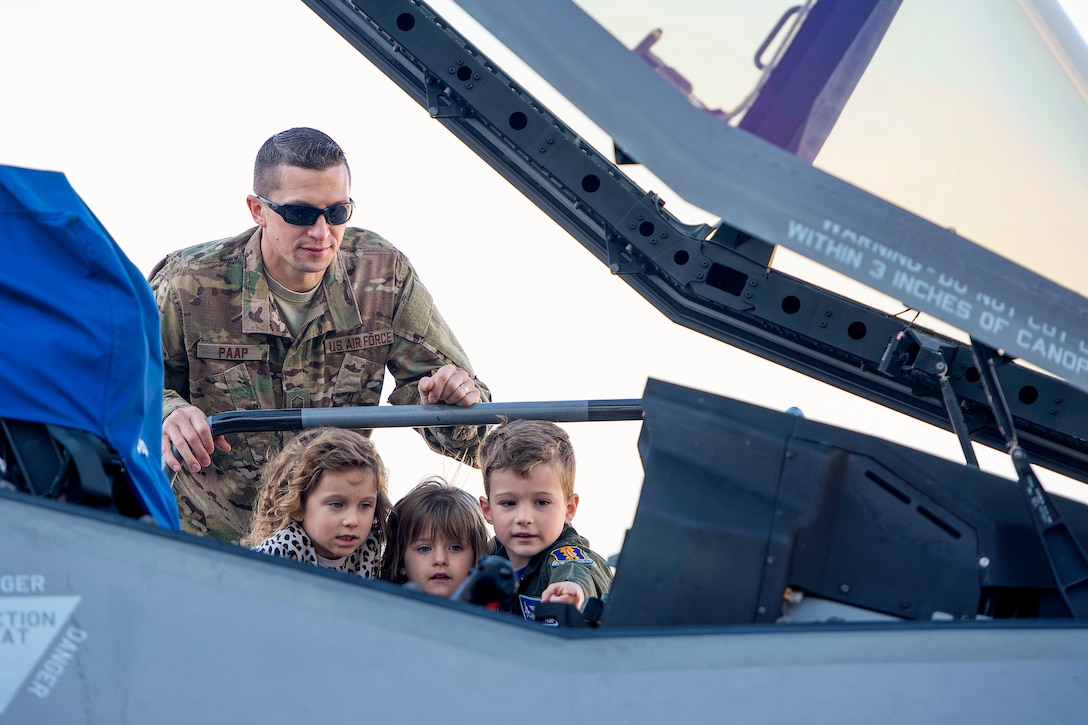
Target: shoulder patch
(569, 554)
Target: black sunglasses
(304, 216)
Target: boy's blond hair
(520, 445)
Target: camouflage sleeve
(174, 357)
(422, 343)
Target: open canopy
(966, 202)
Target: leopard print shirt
(292, 542)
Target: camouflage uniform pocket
(357, 382)
(236, 383)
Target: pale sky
(155, 111)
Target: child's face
(528, 512)
(339, 511)
(438, 565)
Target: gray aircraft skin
(826, 576)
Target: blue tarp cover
(79, 330)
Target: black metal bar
(986, 363)
(241, 421)
(424, 416)
(1064, 552)
(955, 415)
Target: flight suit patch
(528, 610)
(569, 554)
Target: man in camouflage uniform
(300, 311)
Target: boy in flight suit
(528, 472)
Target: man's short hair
(305, 148)
(519, 445)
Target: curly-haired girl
(324, 500)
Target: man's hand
(187, 430)
(565, 592)
(448, 384)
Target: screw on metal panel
(983, 562)
(844, 588)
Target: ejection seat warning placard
(37, 641)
